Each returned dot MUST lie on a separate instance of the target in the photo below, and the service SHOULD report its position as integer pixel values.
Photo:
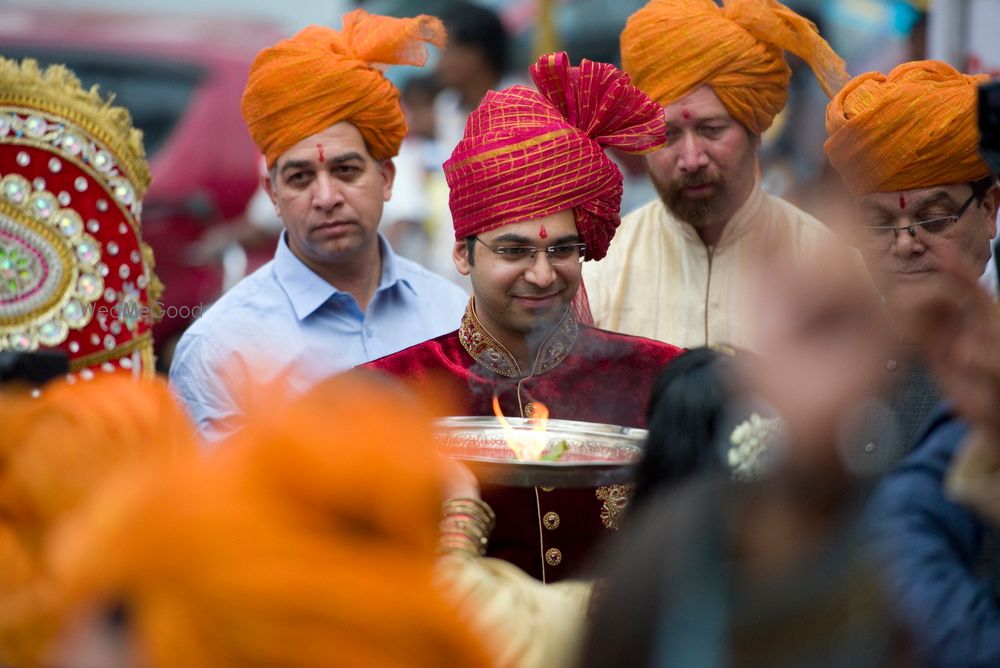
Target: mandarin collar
(489, 353)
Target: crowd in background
(783, 514)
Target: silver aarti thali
(592, 454)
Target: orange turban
(671, 47)
(319, 77)
(914, 128)
(309, 540)
(527, 154)
(54, 452)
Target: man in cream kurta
(679, 270)
(661, 281)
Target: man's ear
(387, 168)
(268, 185)
(460, 254)
(991, 201)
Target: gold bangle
(465, 526)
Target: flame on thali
(526, 444)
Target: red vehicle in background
(181, 77)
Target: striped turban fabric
(528, 154)
(320, 77)
(913, 128)
(672, 47)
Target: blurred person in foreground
(765, 570)
(678, 270)
(56, 450)
(532, 197)
(75, 274)
(328, 123)
(906, 146)
(529, 624)
(295, 546)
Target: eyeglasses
(561, 254)
(883, 236)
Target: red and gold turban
(914, 128)
(527, 154)
(75, 274)
(671, 47)
(319, 77)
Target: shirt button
(546, 489)
(870, 447)
(368, 332)
(553, 556)
(891, 365)
(550, 521)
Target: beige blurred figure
(823, 335)
(766, 571)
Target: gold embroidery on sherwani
(491, 354)
(615, 498)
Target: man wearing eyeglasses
(906, 145)
(532, 197)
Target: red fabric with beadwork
(605, 378)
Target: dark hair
(470, 247)
(686, 408)
(474, 25)
(418, 86)
(981, 187)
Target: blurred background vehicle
(181, 76)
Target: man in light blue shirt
(285, 319)
(335, 295)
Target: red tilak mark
(686, 114)
(902, 202)
(319, 151)
(543, 233)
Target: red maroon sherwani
(580, 373)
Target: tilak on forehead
(737, 48)
(319, 153)
(527, 154)
(902, 201)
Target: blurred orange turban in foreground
(307, 540)
(914, 128)
(319, 77)
(672, 47)
(55, 451)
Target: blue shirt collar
(307, 291)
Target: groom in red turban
(532, 197)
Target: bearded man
(677, 270)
